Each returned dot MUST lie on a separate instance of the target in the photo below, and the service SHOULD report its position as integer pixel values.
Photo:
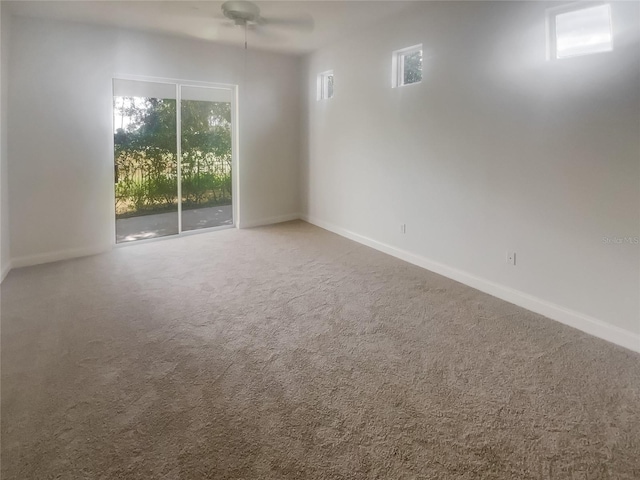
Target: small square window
(577, 30)
(325, 85)
(407, 66)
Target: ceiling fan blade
(302, 23)
(266, 33)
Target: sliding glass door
(173, 166)
(205, 173)
(145, 147)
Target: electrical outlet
(403, 228)
(511, 258)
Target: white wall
(60, 154)
(5, 259)
(497, 149)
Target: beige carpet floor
(287, 352)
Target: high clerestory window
(576, 30)
(325, 85)
(407, 66)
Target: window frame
(552, 35)
(397, 65)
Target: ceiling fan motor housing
(241, 12)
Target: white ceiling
(203, 20)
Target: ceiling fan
(247, 14)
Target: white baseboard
(49, 257)
(5, 271)
(569, 317)
(30, 260)
(270, 220)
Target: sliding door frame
(235, 176)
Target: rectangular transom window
(407, 66)
(578, 30)
(325, 85)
